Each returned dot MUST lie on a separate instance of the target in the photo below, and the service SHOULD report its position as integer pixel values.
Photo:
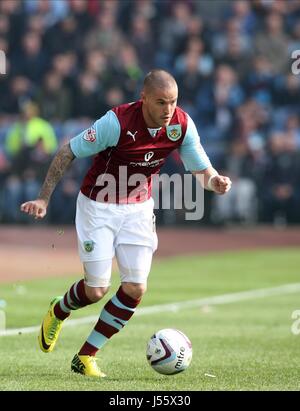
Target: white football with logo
(169, 351)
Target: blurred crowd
(69, 61)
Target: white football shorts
(105, 230)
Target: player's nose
(168, 109)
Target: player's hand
(221, 184)
(36, 208)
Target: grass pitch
(244, 345)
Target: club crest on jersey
(90, 135)
(174, 132)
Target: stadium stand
(74, 59)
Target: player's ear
(143, 96)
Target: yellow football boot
(50, 328)
(86, 365)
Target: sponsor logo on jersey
(90, 135)
(153, 163)
(149, 155)
(174, 132)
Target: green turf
(246, 345)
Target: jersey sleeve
(104, 133)
(191, 151)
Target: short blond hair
(158, 78)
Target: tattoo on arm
(58, 167)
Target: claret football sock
(114, 316)
(74, 299)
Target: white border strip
(215, 300)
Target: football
(169, 351)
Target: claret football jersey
(127, 154)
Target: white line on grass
(215, 300)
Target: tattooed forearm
(58, 167)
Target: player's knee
(95, 294)
(134, 290)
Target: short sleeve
(104, 133)
(191, 151)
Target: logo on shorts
(90, 135)
(88, 246)
(174, 132)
